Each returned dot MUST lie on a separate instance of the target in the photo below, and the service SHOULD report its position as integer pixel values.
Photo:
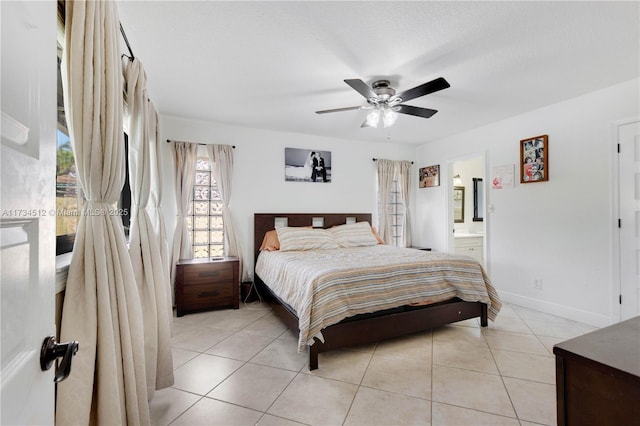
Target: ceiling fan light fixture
(373, 118)
(389, 117)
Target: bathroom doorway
(467, 206)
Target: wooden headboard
(263, 222)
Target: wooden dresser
(204, 284)
(598, 377)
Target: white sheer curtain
(394, 180)
(151, 275)
(221, 157)
(102, 306)
(184, 157)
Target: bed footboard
(377, 328)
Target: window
(396, 212)
(69, 197)
(393, 198)
(68, 194)
(124, 203)
(204, 218)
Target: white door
(27, 222)
(629, 181)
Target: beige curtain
(385, 184)
(102, 308)
(144, 245)
(155, 198)
(403, 169)
(184, 157)
(394, 184)
(221, 157)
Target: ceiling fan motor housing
(383, 89)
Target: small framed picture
(534, 159)
(429, 176)
(502, 176)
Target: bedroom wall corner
(557, 232)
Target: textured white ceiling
(270, 65)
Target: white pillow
(305, 238)
(354, 235)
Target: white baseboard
(568, 312)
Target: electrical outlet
(537, 284)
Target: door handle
(51, 350)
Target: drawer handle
(208, 274)
(208, 294)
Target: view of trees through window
(68, 196)
(67, 192)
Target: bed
(390, 292)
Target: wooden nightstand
(204, 284)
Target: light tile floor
(241, 367)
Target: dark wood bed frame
(365, 328)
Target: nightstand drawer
(205, 295)
(211, 273)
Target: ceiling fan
(386, 104)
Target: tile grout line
(504, 385)
(359, 385)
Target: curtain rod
(126, 41)
(375, 159)
(169, 140)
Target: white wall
(258, 182)
(558, 231)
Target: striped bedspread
(326, 286)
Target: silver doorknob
(51, 350)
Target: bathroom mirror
(478, 200)
(458, 204)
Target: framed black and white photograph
(307, 165)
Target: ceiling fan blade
(417, 111)
(361, 87)
(325, 111)
(424, 89)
